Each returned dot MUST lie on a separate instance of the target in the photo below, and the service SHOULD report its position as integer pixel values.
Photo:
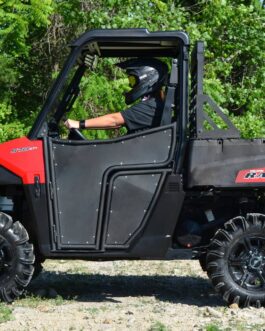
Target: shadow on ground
(103, 288)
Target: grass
(158, 326)
(234, 326)
(92, 310)
(212, 327)
(5, 313)
(34, 301)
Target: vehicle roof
(132, 42)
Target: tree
(235, 66)
(17, 21)
(33, 45)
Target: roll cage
(120, 43)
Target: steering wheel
(75, 134)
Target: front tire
(16, 258)
(236, 261)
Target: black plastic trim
(38, 223)
(118, 139)
(147, 215)
(9, 178)
(129, 34)
(49, 171)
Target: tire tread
(12, 286)
(216, 263)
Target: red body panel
(24, 158)
(251, 176)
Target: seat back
(170, 94)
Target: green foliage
(100, 94)
(33, 46)
(5, 313)
(235, 58)
(212, 327)
(34, 301)
(154, 15)
(158, 326)
(17, 19)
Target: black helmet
(146, 75)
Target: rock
(214, 312)
(234, 306)
(131, 320)
(206, 314)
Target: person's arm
(110, 121)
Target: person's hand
(71, 124)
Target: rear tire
(16, 258)
(202, 262)
(236, 261)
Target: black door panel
(130, 199)
(81, 171)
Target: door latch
(37, 186)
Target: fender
(24, 158)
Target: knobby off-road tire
(202, 262)
(236, 261)
(16, 259)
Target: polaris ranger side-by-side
(185, 185)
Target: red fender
(24, 158)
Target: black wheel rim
(5, 257)
(246, 263)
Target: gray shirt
(143, 115)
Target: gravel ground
(126, 295)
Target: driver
(146, 78)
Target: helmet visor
(132, 80)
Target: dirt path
(126, 295)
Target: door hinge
(51, 191)
(55, 234)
